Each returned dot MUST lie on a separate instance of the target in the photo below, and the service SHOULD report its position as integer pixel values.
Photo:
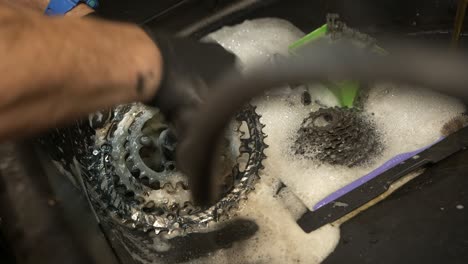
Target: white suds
(406, 119)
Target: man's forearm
(54, 70)
(35, 5)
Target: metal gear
(143, 197)
(150, 148)
(340, 136)
(337, 136)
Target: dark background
(420, 222)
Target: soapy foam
(257, 41)
(279, 239)
(406, 119)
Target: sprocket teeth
(169, 188)
(336, 136)
(242, 133)
(155, 185)
(181, 186)
(134, 204)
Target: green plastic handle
(314, 35)
(345, 91)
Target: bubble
(406, 118)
